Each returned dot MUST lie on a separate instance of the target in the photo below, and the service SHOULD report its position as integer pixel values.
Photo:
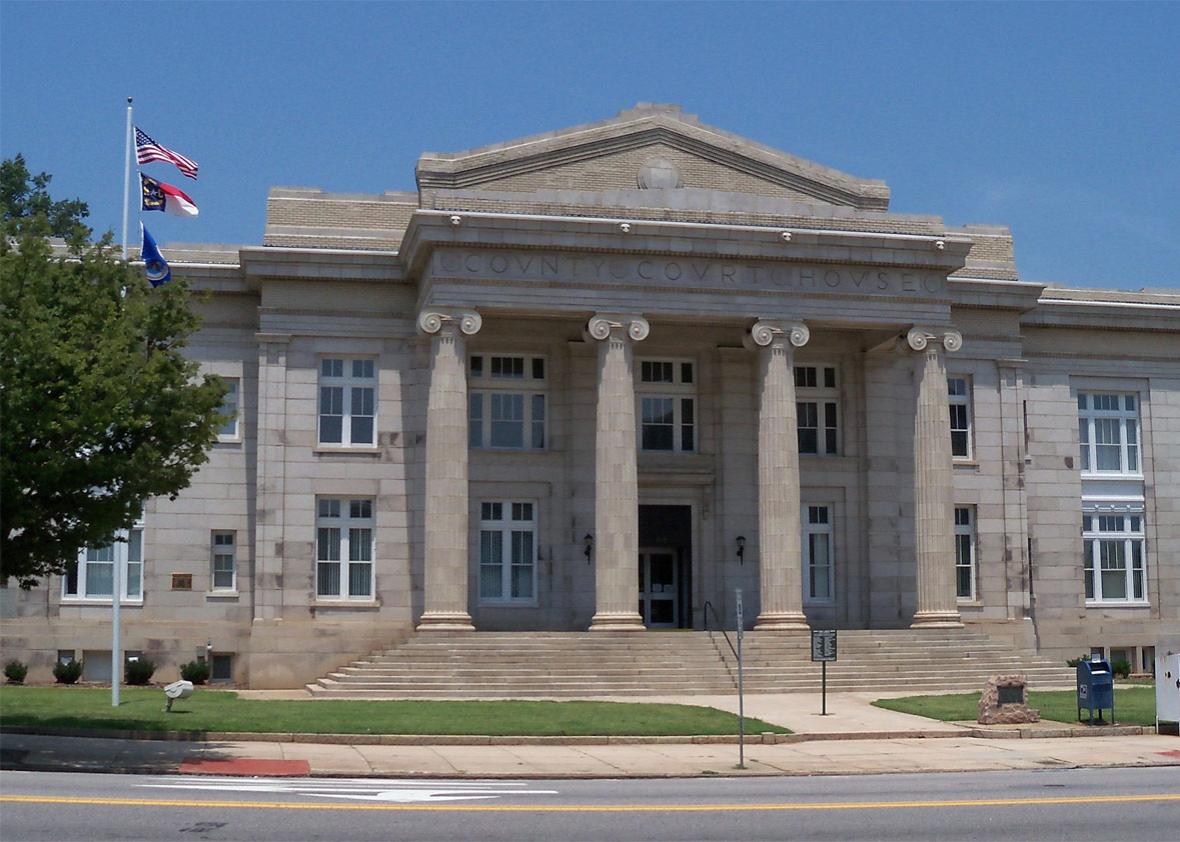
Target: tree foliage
(99, 409)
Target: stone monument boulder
(1004, 701)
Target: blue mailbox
(1095, 689)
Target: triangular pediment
(649, 146)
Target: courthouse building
(597, 378)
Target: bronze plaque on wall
(182, 581)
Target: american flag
(147, 150)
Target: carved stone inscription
(682, 272)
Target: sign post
(741, 684)
(823, 649)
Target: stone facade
(603, 355)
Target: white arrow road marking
(397, 791)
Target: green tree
(99, 408)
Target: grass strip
(1132, 705)
(141, 709)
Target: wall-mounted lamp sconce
(741, 550)
(588, 546)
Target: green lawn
(214, 710)
(1132, 705)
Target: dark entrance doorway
(665, 566)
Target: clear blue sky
(1060, 120)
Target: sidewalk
(855, 738)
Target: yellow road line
(588, 808)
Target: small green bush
(67, 673)
(195, 671)
(139, 671)
(15, 672)
(1121, 668)
(1073, 662)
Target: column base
(937, 620)
(781, 621)
(626, 621)
(445, 621)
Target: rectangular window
(1113, 555)
(959, 393)
(819, 586)
(965, 553)
(229, 409)
(222, 668)
(345, 531)
(348, 402)
(666, 398)
(507, 552)
(1108, 433)
(92, 574)
(817, 409)
(506, 403)
(224, 562)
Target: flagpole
(126, 182)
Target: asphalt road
(1078, 804)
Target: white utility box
(1167, 686)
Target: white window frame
(816, 392)
(1108, 531)
(1123, 422)
(817, 521)
(960, 404)
(231, 405)
(966, 551)
(128, 543)
(496, 532)
(347, 516)
(352, 383)
(679, 388)
(221, 549)
(492, 383)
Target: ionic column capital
(919, 337)
(602, 325)
(764, 334)
(434, 321)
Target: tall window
(224, 562)
(344, 548)
(348, 402)
(817, 409)
(1108, 432)
(817, 554)
(507, 551)
(506, 402)
(666, 394)
(92, 575)
(965, 552)
(1113, 560)
(959, 391)
(229, 409)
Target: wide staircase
(568, 664)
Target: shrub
(67, 673)
(15, 672)
(139, 671)
(1073, 662)
(1121, 668)
(195, 671)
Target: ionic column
(780, 555)
(445, 594)
(616, 477)
(933, 486)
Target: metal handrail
(709, 607)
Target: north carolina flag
(164, 197)
(154, 265)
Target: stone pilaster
(780, 555)
(933, 485)
(445, 597)
(616, 478)
(271, 472)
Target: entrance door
(658, 588)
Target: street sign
(823, 644)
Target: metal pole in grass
(116, 644)
(741, 686)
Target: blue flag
(154, 264)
